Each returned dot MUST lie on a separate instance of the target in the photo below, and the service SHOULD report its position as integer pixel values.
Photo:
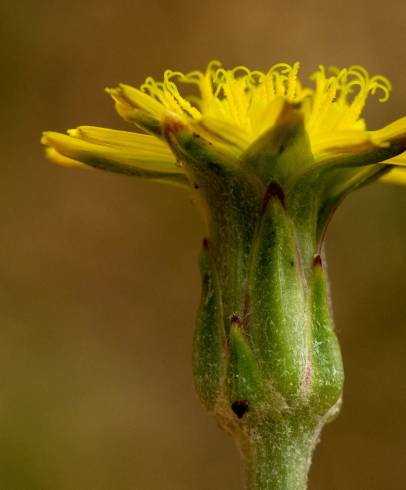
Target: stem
(278, 459)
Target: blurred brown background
(98, 276)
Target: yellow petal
(226, 131)
(338, 142)
(122, 139)
(80, 149)
(135, 98)
(357, 148)
(393, 132)
(121, 158)
(398, 159)
(55, 157)
(395, 176)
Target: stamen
(292, 81)
(255, 78)
(242, 68)
(378, 82)
(245, 98)
(181, 102)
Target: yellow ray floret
(118, 151)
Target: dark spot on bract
(273, 191)
(317, 262)
(172, 126)
(196, 186)
(235, 320)
(205, 244)
(240, 408)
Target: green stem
(266, 359)
(278, 458)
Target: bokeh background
(98, 276)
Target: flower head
(246, 129)
(234, 108)
(241, 104)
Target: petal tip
(45, 138)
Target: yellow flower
(233, 109)
(269, 161)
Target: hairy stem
(278, 457)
